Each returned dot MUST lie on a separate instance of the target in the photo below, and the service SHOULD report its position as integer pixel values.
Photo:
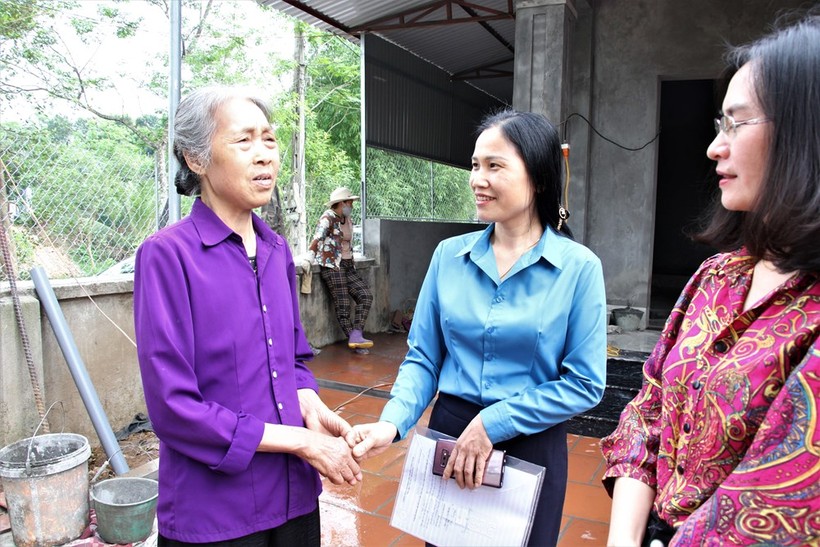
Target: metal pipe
(78, 370)
(174, 84)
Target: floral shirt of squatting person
(326, 246)
(725, 427)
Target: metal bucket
(125, 508)
(45, 479)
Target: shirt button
(274, 374)
(490, 330)
(686, 428)
(264, 309)
(486, 385)
(696, 384)
(679, 469)
(721, 346)
(280, 406)
(270, 341)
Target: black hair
(539, 146)
(784, 223)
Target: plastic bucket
(125, 508)
(45, 479)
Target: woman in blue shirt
(510, 323)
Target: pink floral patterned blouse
(725, 426)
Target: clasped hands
(466, 463)
(336, 449)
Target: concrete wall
(108, 354)
(403, 250)
(395, 269)
(636, 44)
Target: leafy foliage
(92, 175)
(89, 191)
(402, 186)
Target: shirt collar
(547, 247)
(213, 231)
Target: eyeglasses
(728, 125)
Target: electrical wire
(565, 153)
(340, 405)
(630, 149)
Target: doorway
(685, 188)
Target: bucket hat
(340, 194)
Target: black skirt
(451, 416)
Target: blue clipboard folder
(441, 513)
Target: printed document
(439, 512)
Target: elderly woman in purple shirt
(222, 351)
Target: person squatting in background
(332, 249)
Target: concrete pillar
(543, 33)
(553, 66)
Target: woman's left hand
(469, 457)
(318, 417)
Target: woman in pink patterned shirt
(721, 446)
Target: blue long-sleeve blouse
(531, 348)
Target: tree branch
(327, 96)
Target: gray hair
(195, 125)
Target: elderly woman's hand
(469, 457)
(331, 457)
(318, 417)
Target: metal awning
(472, 41)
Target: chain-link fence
(410, 188)
(75, 203)
(79, 202)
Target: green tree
(42, 67)
(89, 192)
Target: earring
(563, 215)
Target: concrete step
(623, 381)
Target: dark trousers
(451, 415)
(657, 530)
(304, 531)
(344, 284)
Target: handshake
(332, 446)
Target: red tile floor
(360, 515)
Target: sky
(127, 63)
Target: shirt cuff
(497, 423)
(305, 379)
(246, 439)
(396, 415)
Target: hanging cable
(564, 132)
(345, 403)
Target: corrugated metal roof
(464, 50)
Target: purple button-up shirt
(221, 351)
